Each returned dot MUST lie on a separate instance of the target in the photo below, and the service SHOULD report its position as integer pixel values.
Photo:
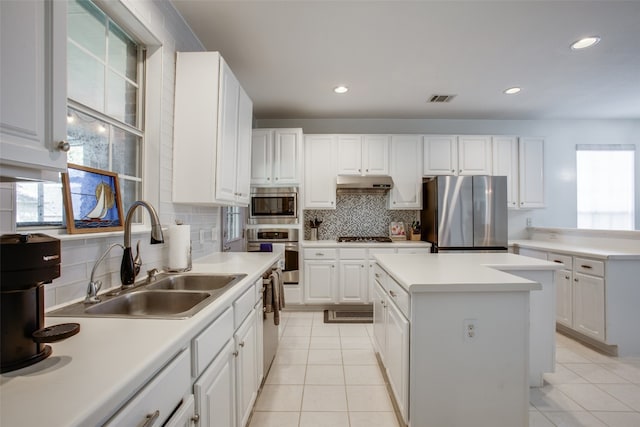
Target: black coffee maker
(27, 262)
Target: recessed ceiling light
(340, 89)
(512, 90)
(585, 43)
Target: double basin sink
(169, 296)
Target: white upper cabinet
(440, 155)
(276, 157)
(405, 166)
(363, 155)
(531, 164)
(457, 155)
(212, 130)
(320, 159)
(505, 163)
(474, 155)
(34, 89)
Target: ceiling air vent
(441, 98)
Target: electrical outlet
(202, 237)
(470, 329)
(529, 222)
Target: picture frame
(92, 200)
(397, 231)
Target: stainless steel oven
(273, 205)
(289, 237)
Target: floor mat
(344, 316)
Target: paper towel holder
(189, 263)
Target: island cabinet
(34, 90)
(212, 132)
(363, 155)
(449, 327)
(276, 157)
(320, 166)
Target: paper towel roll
(179, 246)
(278, 248)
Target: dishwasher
(269, 326)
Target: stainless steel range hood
(363, 184)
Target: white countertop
(91, 374)
(335, 244)
(576, 249)
(484, 272)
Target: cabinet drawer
(353, 253)
(243, 306)
(318, 253)
(206, 345)
(589, 266)
(399, 296)
(162, 394)
(559, 258)
(379, 251)
(381, 276)
(414, 250)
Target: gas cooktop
(364, 239)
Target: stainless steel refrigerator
(465, 213)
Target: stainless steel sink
(196, 282)
(170, 296)
(151, 304)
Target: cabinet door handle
(382, 302)
(268, 179)
(235, 353)
(567, 277)
(558, 261)
(367, 170)
(575, 280)
(151, 418)
(377, 275)
(393, 294)
(453, 171)
(241, 344)
(276, 178)
(361, 265)
(588, 267)
(63, 146)
(195, 418)
(319, 254)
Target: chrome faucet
(95, 285)
(130, 267)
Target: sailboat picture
(92, 200)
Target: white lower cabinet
(564, 298)
(246, 369)
(319, 281)
(353, 281)
(157, 400)
(588, 303)
(391, 336)
(215, 390)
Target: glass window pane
(38, 202)
(126, 153)
(85, 78)
(89, 140)
(122, 99)
(123, 53)
(86, 26)
(131, 191)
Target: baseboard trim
(608, 349)
(394, 402)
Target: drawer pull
(377, 276)
(586, 266)
(151, 418)
(393, 294)
(575, 280)
(319, 254)
(558, 261)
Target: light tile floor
(327, 376)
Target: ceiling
(394, 55)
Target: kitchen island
(92, 377)
(453, 333)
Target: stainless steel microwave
(273, 205)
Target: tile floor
(327, 375)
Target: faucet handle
(137, 261)
(151, 274)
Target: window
(105, 73)
(605, 179)
(233, 220)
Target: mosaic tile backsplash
(357, 215)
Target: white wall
(561, 137)
(79, 252)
